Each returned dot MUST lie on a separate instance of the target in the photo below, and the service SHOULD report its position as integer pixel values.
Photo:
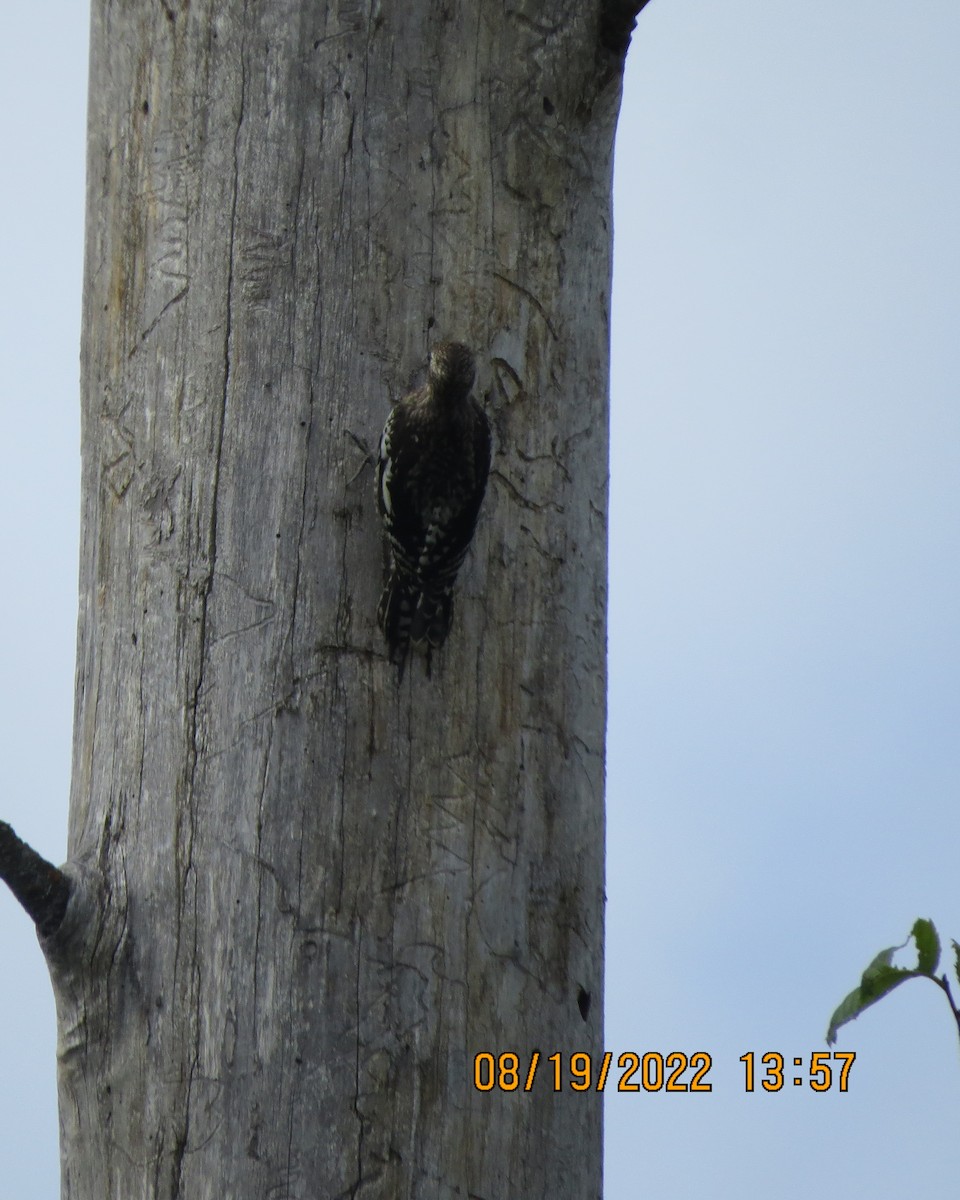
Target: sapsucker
(431, 475)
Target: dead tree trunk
(303, 897)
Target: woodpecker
(431, 475)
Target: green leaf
(878, 979)
(956, 959)
(882, 977)
(924, 933)
(883, 959)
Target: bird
(432, 468)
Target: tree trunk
(305, 895)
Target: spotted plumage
(431, 475)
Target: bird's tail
(394, 616)
(431, 617)
(410, 614)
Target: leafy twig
(882, 976)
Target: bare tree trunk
(304, 896)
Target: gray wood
(306, 897)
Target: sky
(783, 758)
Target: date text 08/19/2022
(653, 1071)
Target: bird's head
(452, 369)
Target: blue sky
(785, 537)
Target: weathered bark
(304, 897)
